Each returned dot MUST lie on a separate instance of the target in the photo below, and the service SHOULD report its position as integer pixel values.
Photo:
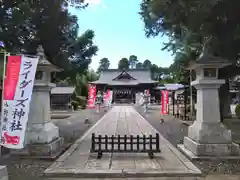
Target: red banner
(164, 102)
(147, 91)
(12, 75)
(106, 97)
(91, 96)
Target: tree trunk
(224, 97)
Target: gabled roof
(138, 76)
(123, 74)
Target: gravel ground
(71, 129)
(174, 131)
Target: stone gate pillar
(208, 137)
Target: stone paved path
(78, 162)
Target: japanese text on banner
(91, 96)
(164, 102)
(13, 133)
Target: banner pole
(2, 108)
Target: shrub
(82, 101)
(237, 110)
(75, 104)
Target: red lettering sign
(164, 102)
(10, 139)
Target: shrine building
(125, 84)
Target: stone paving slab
(78, 162)
(210, 177)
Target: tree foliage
(104, 64)
(156, 71)
(133, 61)
(188, 24)
(26, 24)
(123, 64)
(139, 65)
(147, 64)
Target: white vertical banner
(110, 95)
(14, 128)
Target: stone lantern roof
(208, 59)
(43, 63)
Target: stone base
(209, 132)
(41, 133)
(195, 150)
(191, 156)
(41, 151)
(3, 173)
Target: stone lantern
(42, 136)
(208, 137)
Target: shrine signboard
(18, 86)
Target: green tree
(123, 64)
(147, 64)
(82, 51)
(195, 23)
(155, 72)
(133, 61)
(139, 65)
(91, 75)
(104, 64)
(158, 72)
(48, 23)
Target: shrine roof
(135, 77)
(62, 90)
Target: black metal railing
(125, 144)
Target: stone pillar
(42, 136)
(208, 136)
(40, 129)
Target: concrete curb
(144, 173)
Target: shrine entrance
(125, 83)
(123, 95)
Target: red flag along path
(18, 86)
(107, 98)
(91, 96)
(12, 74)
(164, 102)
